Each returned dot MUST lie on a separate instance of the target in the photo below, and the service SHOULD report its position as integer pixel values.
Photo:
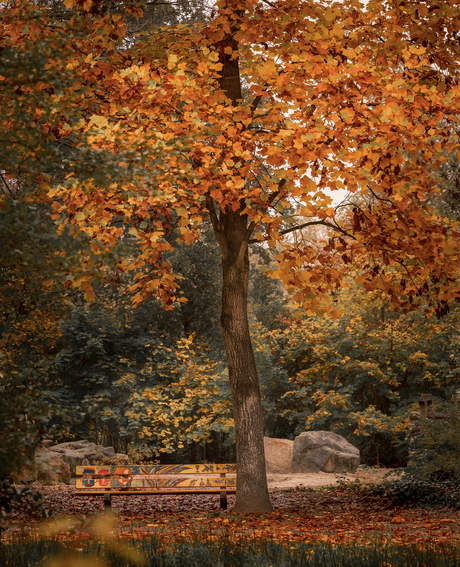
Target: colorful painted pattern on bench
(155, 482)
(156, 469)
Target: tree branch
(10, 192)
(310, 223)
(213, 215)
(272, 197)
(255, 104)
(216, 225)
(380, 198)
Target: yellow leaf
(90, 295)
(417, 50)
(100, 121)
(350, 53)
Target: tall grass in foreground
(249, 553)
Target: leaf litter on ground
(335, 515)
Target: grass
(53, 552)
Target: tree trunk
(252, 490)
(232, 233)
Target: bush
(432, 477)
(435, 445)
(410, 491)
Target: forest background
(153, 383)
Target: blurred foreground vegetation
(249, 553)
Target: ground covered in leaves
(338, 515)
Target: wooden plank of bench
(152, 492)
(154, 482)
(156, 469)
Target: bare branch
(305, 225)
(216, 225)
(10, 192)
(270, 200)
(255, 104)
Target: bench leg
(223, 500)
(107, 502)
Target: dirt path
(319, 480)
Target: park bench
(138, 480)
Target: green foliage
(360, 374)
(34, 299)
(127, 378)
(274, 385)
(435, 444)
(266, 295)
(432, 477)
(31, 304)
(198, 267)
(102, 343)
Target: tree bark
(252, 490)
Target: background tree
(362, 374)
(31, 305)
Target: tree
(31, 305)
(267, 106)
(35, 258)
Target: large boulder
(278, 455)
(48, 468)
(73, 458)
(323, 451)
(81, 453)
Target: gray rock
(323, 451)
(80, 453)
(58, 463)
(48, 468)
(278, 455)
(74, 458)
(121, 459)
(75, 446)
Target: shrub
(410, 491)
(435, 445)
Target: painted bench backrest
(156, 469)
(203, 477)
